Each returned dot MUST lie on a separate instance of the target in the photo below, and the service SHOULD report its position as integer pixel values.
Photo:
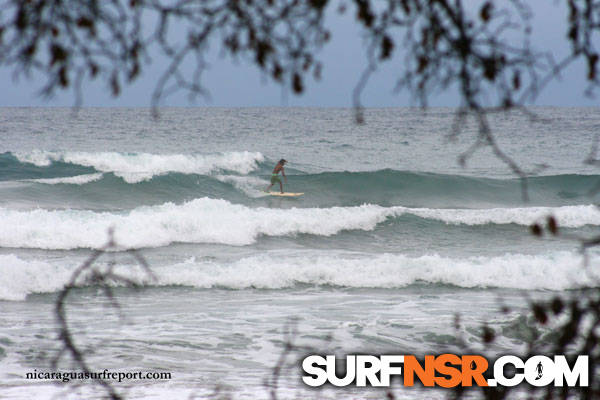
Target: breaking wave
(207, 220)
(557, 271)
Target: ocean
(391, 244)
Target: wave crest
(556, 271)
(209, 220)
(138, 167)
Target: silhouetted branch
(88, 274)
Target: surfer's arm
(283, 173)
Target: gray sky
(240, 84)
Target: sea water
(395, 247)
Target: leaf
(387, 46)
(539, 312)
(318, 4)
(93, 70)
(263, 49)
(592, 61)
(536, 230)
(423, 61)
(364, 13)
(552, 225)
(114, 84)
(490, 68)
(58, 54)
(277, 72)
(297, 83)
(516, 81)
(557, 305)
(63, 77)
(134, 71)
(488, 334)
(486, 11)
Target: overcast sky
(240, 84)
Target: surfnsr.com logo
(445, 370)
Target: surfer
(275, 175)
(539, 370)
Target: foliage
(483, 47)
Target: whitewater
(208, 220)
(392, 240)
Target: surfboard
(285, 194)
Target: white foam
(70, 180)
(566, 216)
(250, 185)
(208, 220)
(137, 167)
(199, 221)
(39, 158)
(18, 278)
(556, 271)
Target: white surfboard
(285, 194)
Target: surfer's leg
(281, 186)
(274, 178)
